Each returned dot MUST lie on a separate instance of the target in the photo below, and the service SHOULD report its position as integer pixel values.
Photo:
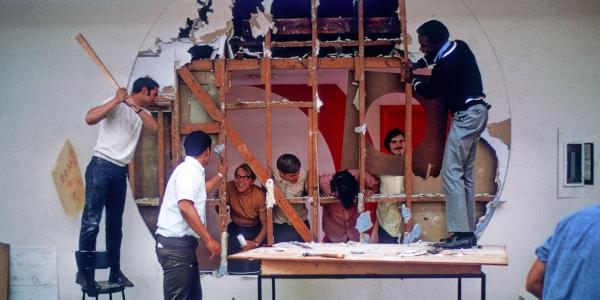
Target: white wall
(539, 56)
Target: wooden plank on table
(334, 266)
(380, 253)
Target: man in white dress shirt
(182, 219)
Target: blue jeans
(105, 186)
(458, 167)
(181, 277)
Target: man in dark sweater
(456, 80)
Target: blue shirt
(572, 257)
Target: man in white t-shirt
(182, 219)
(121, 119)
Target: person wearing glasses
(248, 214)
(290, 178)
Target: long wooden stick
(88, 49)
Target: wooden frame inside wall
(222, 69)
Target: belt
(476, 102)
(183, 242)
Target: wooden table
(285, 260)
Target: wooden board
(380, 254)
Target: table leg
(483, 286)
(273, 287)
(259, 283)
(459, 288)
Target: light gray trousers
(458, 167)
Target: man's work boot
(88, 283)
(458, 241)
(119, 278)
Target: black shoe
(90, 286)
(119, 278)
(454, 242)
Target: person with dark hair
(182, 220)
(389, 225)
(248, 218)
(339, 219)
(394, 141)
(291, 180)
(121, 119)
(567, 263)
(456, 79)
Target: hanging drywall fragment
(406, 213)
(361, 201)
(260, 23)
(362, 129)
(413, 236)
(270, 197)
(204, 10)
(318, 103)
(266, 4)
(160, 64)
(68, 182)
(356, 101)
(219, 148)
(363, 222)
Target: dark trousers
(386, 238)
(236, 266)
(181, 277)
(286, 233)
(105, 187)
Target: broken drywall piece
(270, 197)
(266, 4)
(502, 151)
(363, 222)
(206, 7)
(356, 101)
(318, 103)
(67, 179)
(260, 23)
(161, 64)
(413, 236)
(501, 130)
(362, 129)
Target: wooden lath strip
(326, 44)
(248, 156)
(175, 138)
(360, 77)
(161, 155)
(408, 174)
(313, 128)
(265, 76)
(298, 64)
(260, 105)
(210, 128)
(295, 26)
(221, 80)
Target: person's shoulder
(581, 216)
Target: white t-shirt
(119, 134)
(186, 182)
